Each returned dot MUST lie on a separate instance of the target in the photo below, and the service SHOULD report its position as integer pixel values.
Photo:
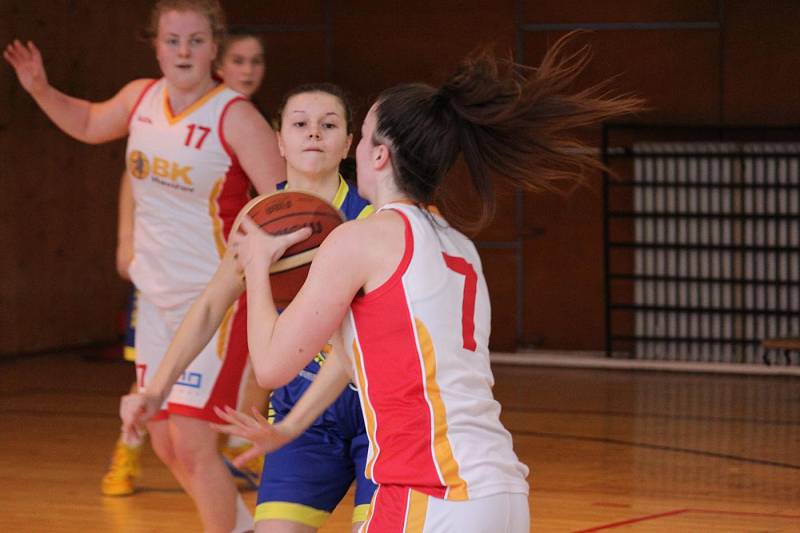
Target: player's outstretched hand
(135, 410)
(265, 437)
(27, 62)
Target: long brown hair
(502, 118)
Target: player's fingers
(297, 236)
(228, 429)
(258, 416)
(248, 224)
(35, 53)
(225, 416)
(243, 458)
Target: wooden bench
(787, 345)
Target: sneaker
(118, 481)
(250, 472)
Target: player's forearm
(198, 327)
(328, 384)
(127, 206)
(261, 318)
(70, 114)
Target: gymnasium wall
(695, 61)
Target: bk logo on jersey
(141, 167)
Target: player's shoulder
(367, 232)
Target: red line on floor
(632, 521)
(743, 513)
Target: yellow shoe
(250, 472)
(118, 481)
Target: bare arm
(86, 121)
(332, 378)
(125, 221)
(255, 145)
(280, 346)
(202, 320)
(329, 383)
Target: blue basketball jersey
(283, 399)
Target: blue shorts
(129, 338)
(305, 480)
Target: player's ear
(380, 156)
(281, 149)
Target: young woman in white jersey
(194, 149)
(416, 304)
(241, 67)
(303, 482)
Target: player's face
(242, 66)
(313, 136)
(185, 48)
(364, 155)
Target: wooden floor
(608, 450)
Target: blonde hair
(210, 9)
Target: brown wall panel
(291, 59)
(563, 267)
(762, 62)
(278, 13)
(622, 11)
(59, 277)
(676, 71)
(498, 268)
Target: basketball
(284, 212)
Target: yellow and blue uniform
(129, 339)
(305, 480)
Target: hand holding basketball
(27, 62)
(255, 250)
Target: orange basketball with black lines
(284, 212)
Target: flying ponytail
(507, 121)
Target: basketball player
(304, 481)
(415, 303)
(241, 68)
(194, 148)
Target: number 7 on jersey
(460, 266)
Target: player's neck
(181, 99)
(324, 186)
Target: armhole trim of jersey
(220, 127)
(139, 101)
(402, 266)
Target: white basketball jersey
(420, 350)
(188, 189)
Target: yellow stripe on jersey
(172, 119)
(225, 331)
(341, 195)
(216, 221)
(367, 211)
(369, 413)
(448, 466)
(416, 510)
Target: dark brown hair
(328, 88)
(501, 118)
(234, 35)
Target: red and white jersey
(188, 188)
(421, 360)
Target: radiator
(716, 249)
